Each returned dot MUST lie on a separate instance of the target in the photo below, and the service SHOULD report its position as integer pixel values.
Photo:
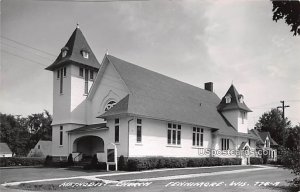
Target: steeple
(76, 51)
(233, 100)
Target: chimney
(209, 86)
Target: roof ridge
(171, 78)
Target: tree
(289, 10)
(22, 133)
(39, 127)
(14, 133)
(273, 122)
(293, 138)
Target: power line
(28, 46)
(92, 1)
(26, 50)
(33, 61)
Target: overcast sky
(193, 41)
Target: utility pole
(283, 107)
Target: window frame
(228, 99)
(139, 130)
(173, 134)
(243, 116)
(117, 130)
(86, 82)
(198, 137)
(91, 75)
(61, 128)
(85, 54)
(225, 143)
(81, 71)
(61, 82)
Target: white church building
(142, 112)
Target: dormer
(64, 51)
(241, 98)
(85, 54)
(228, 98)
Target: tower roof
(75, 47)
(235, 102)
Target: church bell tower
(74, 71)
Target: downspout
(128, 138)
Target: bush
(50, 161)
(95, 164)
(145, 163)
(121, 163)
(70, 160)
(20, 161)
(256, 161)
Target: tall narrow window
(178, 134)
(81, 72)
(244, 116)
(169, 133)
(91, 74)
(61, 135)
(61, 81)
(58, 71)
(117, 131)
(86, 82)
(174, 134)
(197, 137)
(139, 131)
(225, 144)
(65, 71)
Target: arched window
(109, 105)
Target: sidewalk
(172, 172)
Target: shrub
(20, 161)
(95, 164)
(121, 163)
(94, 161)
(51, 161)
(48, 161)
(144, 163)
(70, 160)
(256, 160)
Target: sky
(225, 42)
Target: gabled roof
(92, 127)
(4, 148)
(235, 103)
(157, 96)
(75, 45)
(262, 135)
(243, 145)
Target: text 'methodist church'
(141, 111)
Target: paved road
(249, 179)
(240, 181)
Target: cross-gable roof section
(157, 96)
(235, 101)
(75, 47)
(263, 135)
